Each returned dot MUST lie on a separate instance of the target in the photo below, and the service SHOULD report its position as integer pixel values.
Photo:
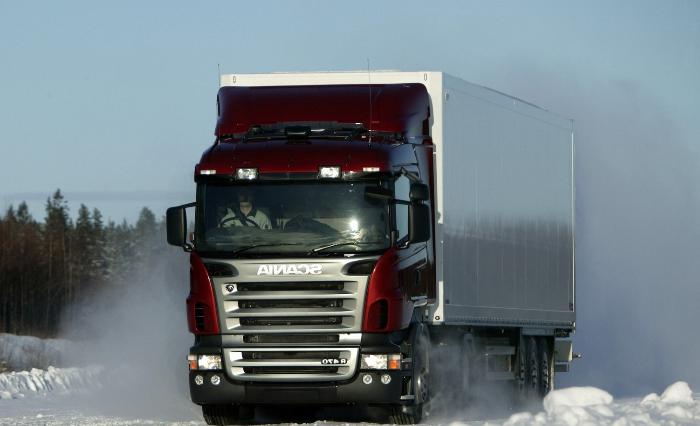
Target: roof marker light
(370, 169)
(329, 172)
(207, 172)
(247, 173)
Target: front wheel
(420, 355)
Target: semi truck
(350, 227)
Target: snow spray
(136, 330)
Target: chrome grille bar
(338, 367)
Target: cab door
(413, 267)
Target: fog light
(247, 173)
(198, 380)
(215, 380)
(386, 379)
(367, 379)
(209, 362)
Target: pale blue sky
(119, 96)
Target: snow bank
(19, 384)
(26, 352)
(576, 397)
(591, 406)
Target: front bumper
(353, 391)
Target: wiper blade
(341, 243)
(246, 248)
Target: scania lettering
(382, 244)
(302, 269)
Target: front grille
(290, 328)
(290, 338)
(291, 355)
(280, 304)
(287, 371)
(272, 322)
(293, 286)
(291, 306)
(291, 364)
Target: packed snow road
(73, 396)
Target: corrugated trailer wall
(507, 210)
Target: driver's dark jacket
(254, 217)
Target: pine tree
(82, 253)
(56, 239)
(30, 269)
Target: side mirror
(419, 223)
(176, 226)
(419, 192)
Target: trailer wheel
(546, 360)
(228, 414)
(521, 369)
(534, 373)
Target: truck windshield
(290, 219)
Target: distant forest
(47, 270)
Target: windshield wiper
(342, 243)
(246, 248)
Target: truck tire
(546, 360)
(227, 414)
(420, 354)
(527, 377)
(521, 370)
(533, 373)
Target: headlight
(381, 362)
(209, 362)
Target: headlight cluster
(204, 362)
(381, 362)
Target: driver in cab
(245, 213)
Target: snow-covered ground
(67, 397)
(99, 396)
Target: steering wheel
(301, 223)
(295, 223)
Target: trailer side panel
(507, 210)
